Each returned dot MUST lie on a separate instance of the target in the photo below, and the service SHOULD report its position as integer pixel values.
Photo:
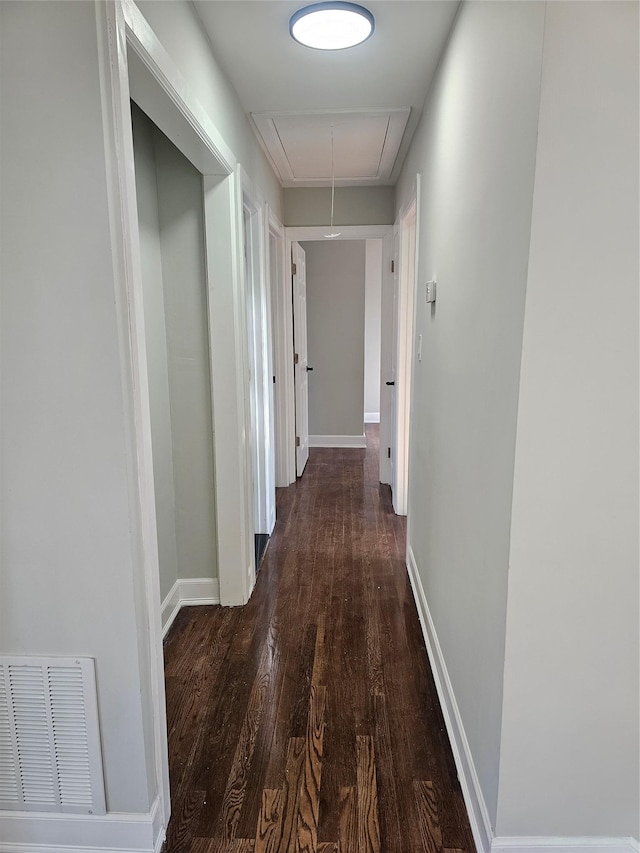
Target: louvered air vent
(50, 758)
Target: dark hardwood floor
(308, 720)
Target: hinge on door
(393, 266)
(274, 380)
(297, 441)
(295, 358)
(388, 453)
(294, 269)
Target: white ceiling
(371, 95)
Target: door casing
(286, 392)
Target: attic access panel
(366, 145)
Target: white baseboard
(337, 441)
(186, 592)
(551, 844)
(40, 832)
(473, 798)
(372, 417)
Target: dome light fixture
(331, 26)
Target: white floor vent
(50, 756)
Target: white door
(405, 295)
(301, 374)
(391, 379)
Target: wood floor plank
(238, 775)
(368, 826)
(428, 820)
(388, 799)
(348, 824)
(303, 720)
(308, 798)
(285, 835)
(268, 820)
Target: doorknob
(390, 383)
(309, 368)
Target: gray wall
(571, 675)
(171, 232)
(183, 269)
(524, 456)
(475, 148)
(335, 328)
(353, 206)
(69, 573)
(156, 342)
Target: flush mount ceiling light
(331, 26)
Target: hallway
(309, 720)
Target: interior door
(391, 380)
(301, 374)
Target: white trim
(552, 844)
(473, 798)
(186, 592)
(408, 229)
(112, 34)
(372, 417)
(260, 355)
(285, 313)
(358, 441)
(386, 356)
(181, 117)
(230, 386)
(24, 832)
(282, 349)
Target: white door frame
(387, 368)
(162, 92)
(258, 303)
(407, 225)
(282, 320)
(308, 233)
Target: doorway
(335, 320)
(285, 392)
(136, 68)
(171, 232)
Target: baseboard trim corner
(473, 797)
(187, 592)
(338, 441)
(41, 832)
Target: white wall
(335, 334)
(178, 27)
(156, 342)
(475, 149)
(569, 761)
(353, 206)
(180, 208)
(372, 328)
(68, 561)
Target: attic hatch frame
(166, 99)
